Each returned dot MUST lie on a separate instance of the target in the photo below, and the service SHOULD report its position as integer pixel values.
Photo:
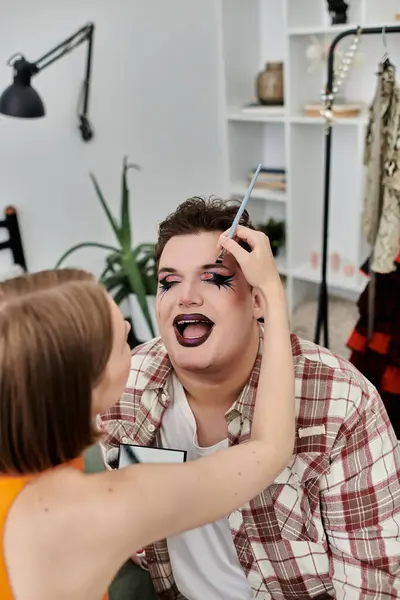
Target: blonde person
(64, 358)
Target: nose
(189, 295)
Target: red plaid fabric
(329, 525)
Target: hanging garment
(378, 357)
(381, 212)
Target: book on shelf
(268, 174)
(270, 185)
(343, 110)
(269, 178)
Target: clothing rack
(322, 312)
(14, 242)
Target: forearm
(274, 414)
(172, 498)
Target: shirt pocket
(290, 508)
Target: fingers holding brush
(258, 265)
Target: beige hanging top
(381, 215)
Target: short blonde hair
(55, 341)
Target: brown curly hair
(199, 214)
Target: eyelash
(217, 279)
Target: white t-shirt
(204, 561)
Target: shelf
(321, 30)
(304, 120)
(334, 30)
(297, 119)
(239, 188)
(307, 273)
(235, 114)
(375, 24)
(283, 31)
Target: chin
(191, 363)
(190, 358)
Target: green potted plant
(275, 230)
(129, 272)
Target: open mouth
(192, 330)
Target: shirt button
(151, 428)
(125, 440)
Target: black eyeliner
(164, 284)
(220, 280)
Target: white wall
(155, 97)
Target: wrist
(274, 302)
(272, 292)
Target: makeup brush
(235, 223)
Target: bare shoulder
(47, 502)
(59, 519)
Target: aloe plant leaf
(125, 216)
(120, 295)
(125, 204)
(137, 287)
(151, 284)
(113, 281)
(104, 273)
(114, 261)
(112, 221)
(84, 245)
(148, 249)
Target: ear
(257, 312)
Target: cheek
(164, 303)
(234, 305)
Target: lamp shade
(21, 100)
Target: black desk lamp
(21, 100)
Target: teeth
(185, 322)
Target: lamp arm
(85, 34)
(75, 40)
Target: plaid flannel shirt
(329, 525)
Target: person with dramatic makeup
(329, 524)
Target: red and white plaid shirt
(329, 525)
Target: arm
(361, 507)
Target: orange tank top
(10, 488)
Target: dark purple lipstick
(193, 329)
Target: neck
(225, 382)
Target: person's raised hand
(258, 265)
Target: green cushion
(131, 583)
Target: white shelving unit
(257, 31)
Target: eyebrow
(202, 268)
